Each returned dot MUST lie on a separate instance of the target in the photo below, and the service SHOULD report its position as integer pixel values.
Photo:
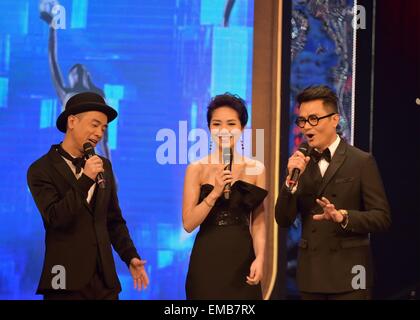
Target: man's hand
(138, 272)
(297, 161)
(93, 166)
(330, 213)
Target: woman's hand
(222, 178)
(256, 272)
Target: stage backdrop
(158, 63)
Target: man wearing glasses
(341, 200)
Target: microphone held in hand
(227, 160)
(89, 153)
(294, 178)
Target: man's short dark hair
(324, 93)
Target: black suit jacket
(327, 252)
(78, 235)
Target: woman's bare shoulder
(254, 165)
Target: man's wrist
(345, 215)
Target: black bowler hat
(82, 102)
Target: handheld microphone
(89, 153)
(227, 160)
(227, 157)
(294, 178)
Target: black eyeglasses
(312, 120)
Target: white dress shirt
(323, 164)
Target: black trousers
(352, 295)
(94, 290)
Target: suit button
(313, 249)
(313, 230)
(333, 195)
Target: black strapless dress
(223, 250)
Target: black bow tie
(79, 163)
(316, 156)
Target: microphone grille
(305, 148)
(87, 147)
(226, 155)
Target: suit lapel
(314, 172)
(99, 200)
(336, 162)
(313, 176)
(102, 195)
(63, 168)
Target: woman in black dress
(228, 255)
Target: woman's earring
(210, 145)
(242, 146)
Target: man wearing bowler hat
(81, 220)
